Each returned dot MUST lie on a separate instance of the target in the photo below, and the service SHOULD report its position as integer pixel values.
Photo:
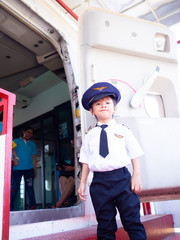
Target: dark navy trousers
(111, 191)
(29, 183)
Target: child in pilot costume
(107, 150)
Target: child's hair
(111, 96)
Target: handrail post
(6, 105)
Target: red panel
(6, 105)
(147, 208)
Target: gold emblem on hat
(99, 88)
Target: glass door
(53, 133)
(49, 162)
(64, 136)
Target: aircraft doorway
(53, 133)
(36, 66)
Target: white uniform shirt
(122, 145)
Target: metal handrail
(6, 105)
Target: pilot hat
(98, 91)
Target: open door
(139, 58)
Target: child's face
(103, 109)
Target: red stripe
(67, 9)
(118, 80)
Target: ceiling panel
(14, 57)
(24, 35)
(40, 84)
(13, 82)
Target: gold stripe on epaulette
(125, 125)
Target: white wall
(42, 103)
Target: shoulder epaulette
(125, 125)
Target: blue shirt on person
(1, 127)
(25, 151)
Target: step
(173, 236)
(158, 227)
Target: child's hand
(81, 191)
(136, 183)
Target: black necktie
(103, 146)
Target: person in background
(107, 150)
(66, 182)
(1, 122)
(26, 152)
(1, 127)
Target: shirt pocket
(94, 144)
(119, 142)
